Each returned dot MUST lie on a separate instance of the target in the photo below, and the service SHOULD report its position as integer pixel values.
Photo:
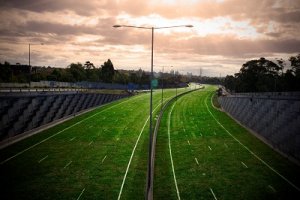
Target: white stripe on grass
(132, 153)
(103, 159)
(197, 161)
(90, 143)
(244, 164)
(225, 145)
(189, 142)
(170, 151)
(209, 148)
(272, 188)
(81, 194)
(213, 194)
(251, 152)
(43, 159)
(72, 139)
(69, 163)
(46, 139)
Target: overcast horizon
(226, 33)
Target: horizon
(226, 33)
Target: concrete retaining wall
(20, 113)
(273, 116)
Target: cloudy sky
(226, 33)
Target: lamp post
(29, 61)
(162, 86)
(149, 188)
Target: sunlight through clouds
(226, 33)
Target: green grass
(193, 132)
(89, 154)
(73, 159)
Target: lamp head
(189, 26)
(117, 26)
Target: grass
(87, 156)
(225, 167)
(71, 158)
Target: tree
(5, 72)
(295, 63)
(91, 71)
(77, 71)
(258, 76)
(107, 71)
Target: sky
(226, 33)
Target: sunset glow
(226, 33)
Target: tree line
(263, 75)
(77, 72)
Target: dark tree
(77, 71)
(258, 76)
(5, 72)
(107, 71)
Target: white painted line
(225, 145)
(209, 148)
(197, 161)
(79, 122)
(213, 194)
(72, 139)
(244, 164)
(43, 159)
(170, 151)
(81, 194)
(132, 153)
(91, 143)
(251, 152)
(189, 142)
(103, 159)
(272, 188)
(67, 164)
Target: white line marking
(197, 161)
(91, 143)
(43, 159)
(81, 194)
(213, 194)
(103, 159)
(189, 142)
(225, 145)
(170, 150)
(67, 164)
(273, 189)
(209, 148)
(79, 122)
(244, 164)
(251, 152)
(132, 153)
(72, 139)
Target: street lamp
(29, 60)
(149, 188)
(162, 86)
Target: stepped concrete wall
(22, 112)
(275, 117)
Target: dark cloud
(86, 8)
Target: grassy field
(103, 155)
(98, 155)
(202, 153)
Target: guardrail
(150, 173)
